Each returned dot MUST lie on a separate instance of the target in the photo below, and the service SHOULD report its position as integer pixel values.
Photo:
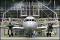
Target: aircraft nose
(30, 25)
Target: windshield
(29, 20)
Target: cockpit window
(29, 20)
(33, 20)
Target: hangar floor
(35, 38)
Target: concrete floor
(25, 38)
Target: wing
(18, 27)
(43, 27)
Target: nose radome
(30, 24)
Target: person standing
(49, 29)
(10, 31)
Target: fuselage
(30, 23)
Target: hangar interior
(44, 11)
